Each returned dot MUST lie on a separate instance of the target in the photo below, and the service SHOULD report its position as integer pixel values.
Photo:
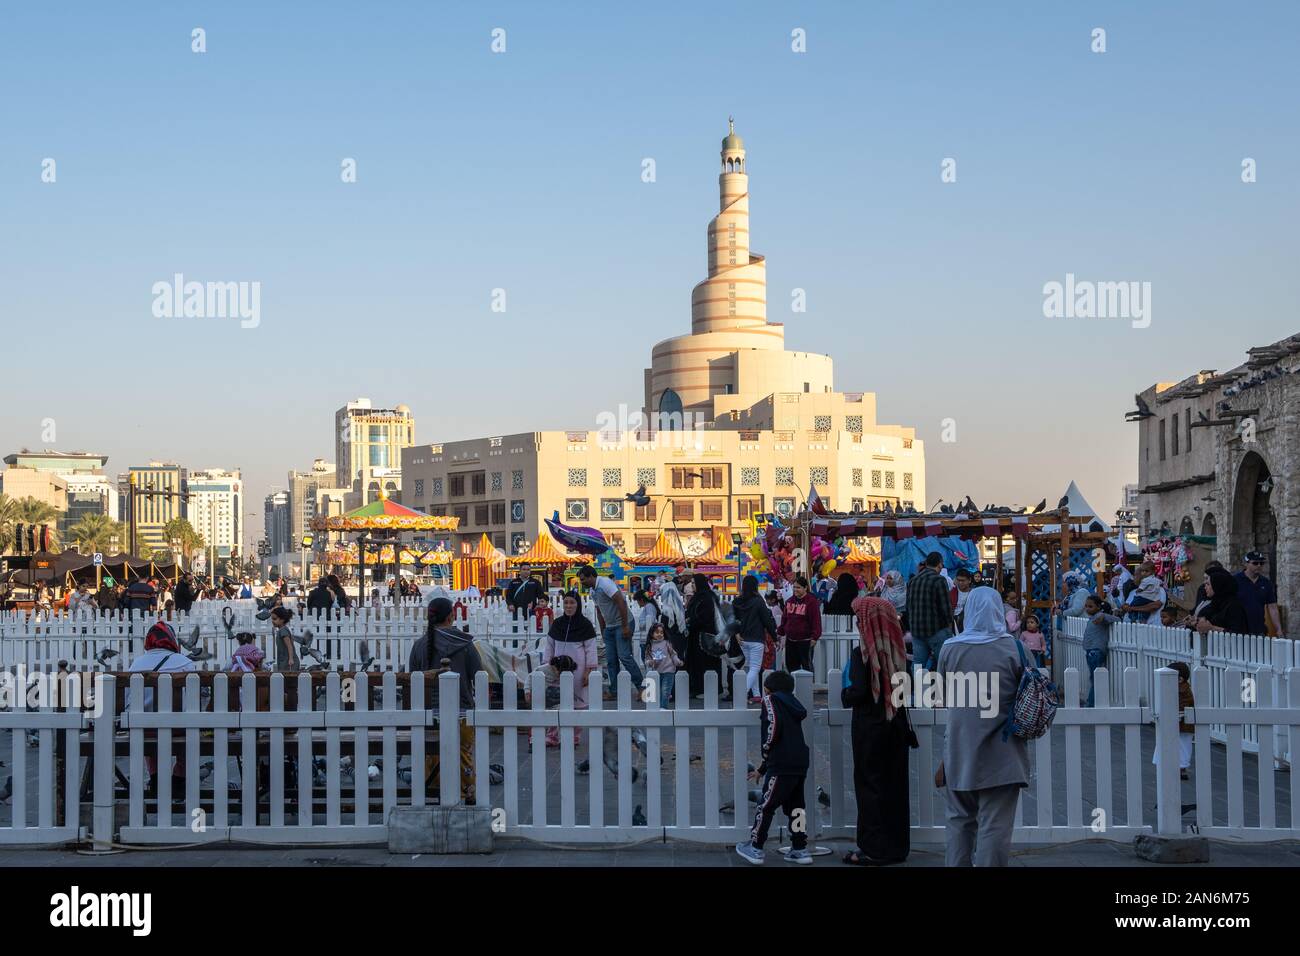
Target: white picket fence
(667, 797)
(1148, 648)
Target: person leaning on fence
(983, 770)
(572, 635)
(1224, 610)
(784, 768)
(443, 642)
(881, 735)
(1096, 639)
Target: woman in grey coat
(982, 773)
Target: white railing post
(448, 739)
(1169, 795)
(803, 692)
(102, 817)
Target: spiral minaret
(728, 308)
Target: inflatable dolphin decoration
(583, 540)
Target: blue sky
(522, 171)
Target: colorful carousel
(379, 527)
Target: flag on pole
(815, 501)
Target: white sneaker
(750, 852)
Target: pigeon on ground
(638, 818)
(755, 795)
(7, 790)
(363, 651)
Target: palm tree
(28, 511)
(95, 533)
(8, 518)
(178, 529)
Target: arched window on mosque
(670, 411)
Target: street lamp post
(307, 539)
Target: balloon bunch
(772, 551)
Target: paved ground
(519, 853)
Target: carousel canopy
(662, 553)
(543, 552)
(723, 550)
(384, 514)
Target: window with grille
(749, 477)
(478, 483)
(645, 476)
(457, 486)
(517, 480)
(875, 478)
(821, 423)
(889, 479)
(419, 487)
(611, 477)
(857, 477)
(647, 513)
(710, 477)
(711, 510)
(575, 509)
(857, 505)
(818, 475)
(461, 514)
(611, 509)
(683, 510)
(783, 506)
(853, 423)
(517, 511)
(577, 477)
(496, 481)
(746, 508)
(644, 542)
(784, 475)
(907, 481)
(480, 514)
(498, 512)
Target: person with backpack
(984, 766)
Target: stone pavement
(657, 854)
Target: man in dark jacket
(140, 597)
(444, 642)
(184, 594)
(784, 770)
(320, 598)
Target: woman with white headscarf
(672, 614)
(982, 772)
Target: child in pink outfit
(1032, 638)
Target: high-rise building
(89, 491)
(158, 490)
(304, 487)
(368, 449)
(215, 513)
(276, 522)
(733, 425)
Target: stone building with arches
(1218, 455)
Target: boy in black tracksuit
(784, 769)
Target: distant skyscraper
(303, 489)
(276, 518)
(214, 510)
(368, 446)
(153, 511)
